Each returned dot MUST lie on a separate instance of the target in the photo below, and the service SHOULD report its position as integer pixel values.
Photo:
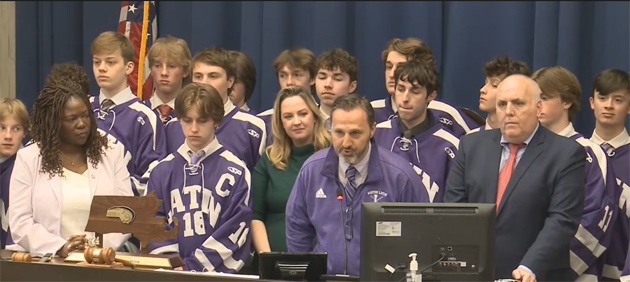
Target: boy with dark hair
(414, 133)
(242, 133)
(294, 66)
(206, 187)
(399, 51)
(244, 81)
(610, 102)
(495, 71)
(337, 75)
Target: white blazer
(35, 199)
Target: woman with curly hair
(55, 178)
(299, 131)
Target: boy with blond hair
(14, 125)
(120, 115)
(561, 93)
(169, 60)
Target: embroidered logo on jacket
(253, 133)
(234, 170)
(446, 121)
(377, 195)
(320, 194)
(449, 152)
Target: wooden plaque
(136, 215)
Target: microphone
(345, 245)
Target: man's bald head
(518, 107)
(525, 83)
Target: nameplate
(151, 261)
(214, 274)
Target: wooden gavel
(99, 256)
(103, 256)
(24, 257)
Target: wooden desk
(57, 270)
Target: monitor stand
(292, 271)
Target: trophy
(127, 214)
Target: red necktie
(164, 110)
(506, 171)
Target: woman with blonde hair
(299, 131)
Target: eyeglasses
(348, 224)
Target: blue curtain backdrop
(585, 37)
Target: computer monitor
(292, 266)
(453, 241)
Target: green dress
(271, 189)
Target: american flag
(138, 21)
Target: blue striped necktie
(351, 186)
(194, 157)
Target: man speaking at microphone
(362, 171)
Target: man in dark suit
(535, 176)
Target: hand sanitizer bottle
(412, 275)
